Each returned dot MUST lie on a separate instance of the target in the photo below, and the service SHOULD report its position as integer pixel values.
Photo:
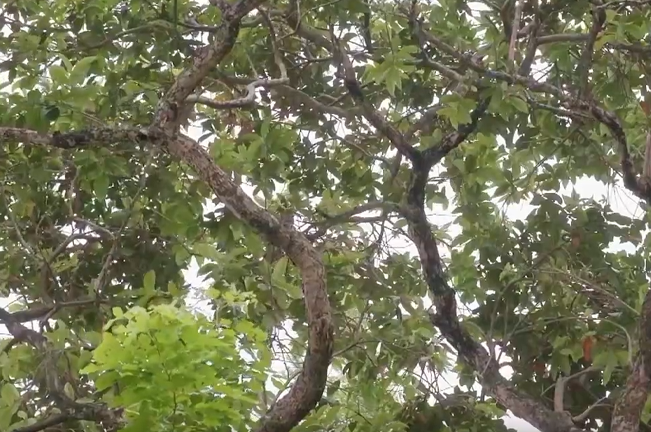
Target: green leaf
(280, 269)
(519, 104)
(58, 74)
(101, 184)
(149, 281)
(207, 251)
(9, 394)
(117, 312)
(81, 68)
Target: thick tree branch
(169, 111)
(44, 311)
(249, 99)
(626, 416)
(517, 14)
(47, 422)
(306, 391)
(582, 37)
(310, 383)
(447, 321)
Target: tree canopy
(334, 182)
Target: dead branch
(561, 383)
(584, 415)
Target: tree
(286, 152)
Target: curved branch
(447, 321)
(249, 99)
(169, 112)
(310, 383)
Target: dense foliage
(333, 183)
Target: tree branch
(566, 99)
(50, 421)
(373, 117)
(344, 217)
(310, 383)
(168, 112)
(628, 409)
(249, 99)
(446, 320)
(97, 412)
(517, 14)
(585, 62)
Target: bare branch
(559, 388)
(584, 415)
(345, 217)
(244, 102)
